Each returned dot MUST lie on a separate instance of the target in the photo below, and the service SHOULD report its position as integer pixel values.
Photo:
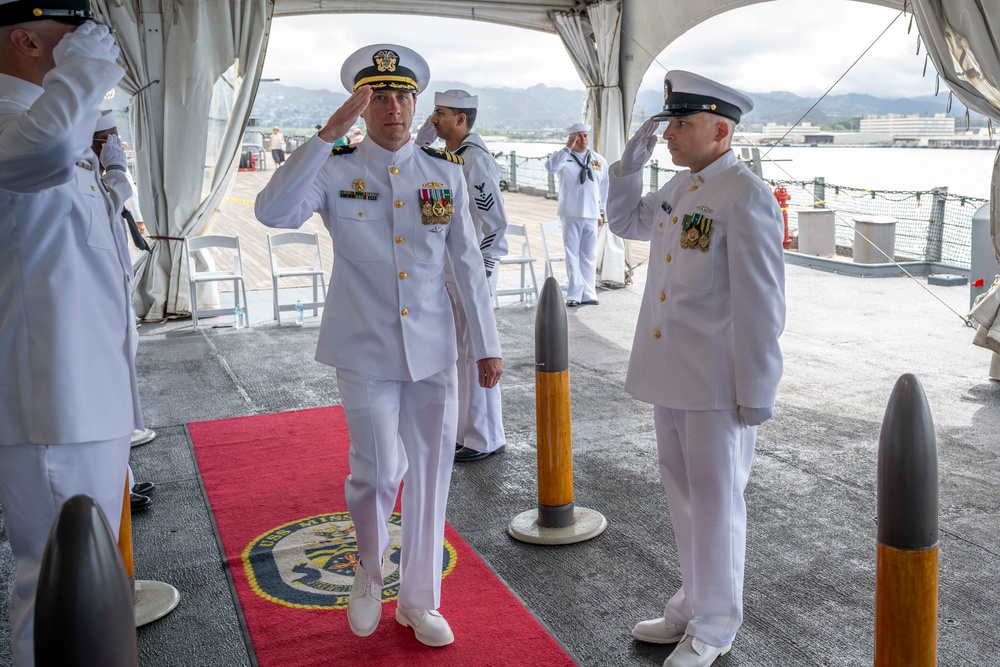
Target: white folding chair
(313, 270)
(195, 277)
(554, 227)
(524, 261)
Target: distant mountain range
(539, 110)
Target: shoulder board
(343, 150)
(442, 155)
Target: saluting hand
(347, 115)
(426, 134)
(639, 148)
(113, 154)
(90, 40)
(490, 370)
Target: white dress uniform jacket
(485, 200)
(67, 330)
(387, 312)
(588, 199)
(687, 353)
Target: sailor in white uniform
(68, 393)
(583, 198)
(706, 351)
(396, 214)
(480, 415)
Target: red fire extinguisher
(781, 194)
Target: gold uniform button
(128, 278)
(662, 296)
(404, 312)
(361, 214)
(399, 239)
(399, 203)
(693, 188)
(93, 188)
(674, 220)
(402, 275)
(393, 171)
(667, 258)
(661, 224)
(656, 333)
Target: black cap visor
(686, 104)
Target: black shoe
(139, 503)
(458, 446)
(464, 455)
(592, 302)
(143, 488)
(572, 304)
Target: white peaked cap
(456, 99)
(578, 127)
(106, 121)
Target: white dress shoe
(692, 652)
(658, 631)
(364, 605)
(428, 625)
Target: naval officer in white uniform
(583, 198)
(68, 394)
(706, 351)
(396, 214)
(480, 413)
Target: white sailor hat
(385, 66)
(686, 93)
(456, 99)
(23, 11)
(578, 127)
(106, 121)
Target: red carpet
(275, 484)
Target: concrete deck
(810, 578)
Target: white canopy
(194, 67)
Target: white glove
(113, 154)
(426, 134)
(639, 148)
(755, 416)
(90, 40)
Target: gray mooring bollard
(83, 609)
(557, 519)
(906, 578)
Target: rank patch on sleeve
(484, 200)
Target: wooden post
(906, 578)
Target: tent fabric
(963, 40)
(592, 42)
(185, 177)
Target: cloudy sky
(801, 46)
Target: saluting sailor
(480, 416)
(68, 393)
(395, 213)
(706, 351)
(583, 198)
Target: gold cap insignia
(386, 60)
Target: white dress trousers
(401, 431)
(580, 244)
(95, 468)
(705, 458)
(480, 409)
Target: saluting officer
(480, 416)
(395, 213)
(68, 393)
(583, 198)
(706, 351)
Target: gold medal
(703, 243)
(692, 235)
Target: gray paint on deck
(810, 579)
